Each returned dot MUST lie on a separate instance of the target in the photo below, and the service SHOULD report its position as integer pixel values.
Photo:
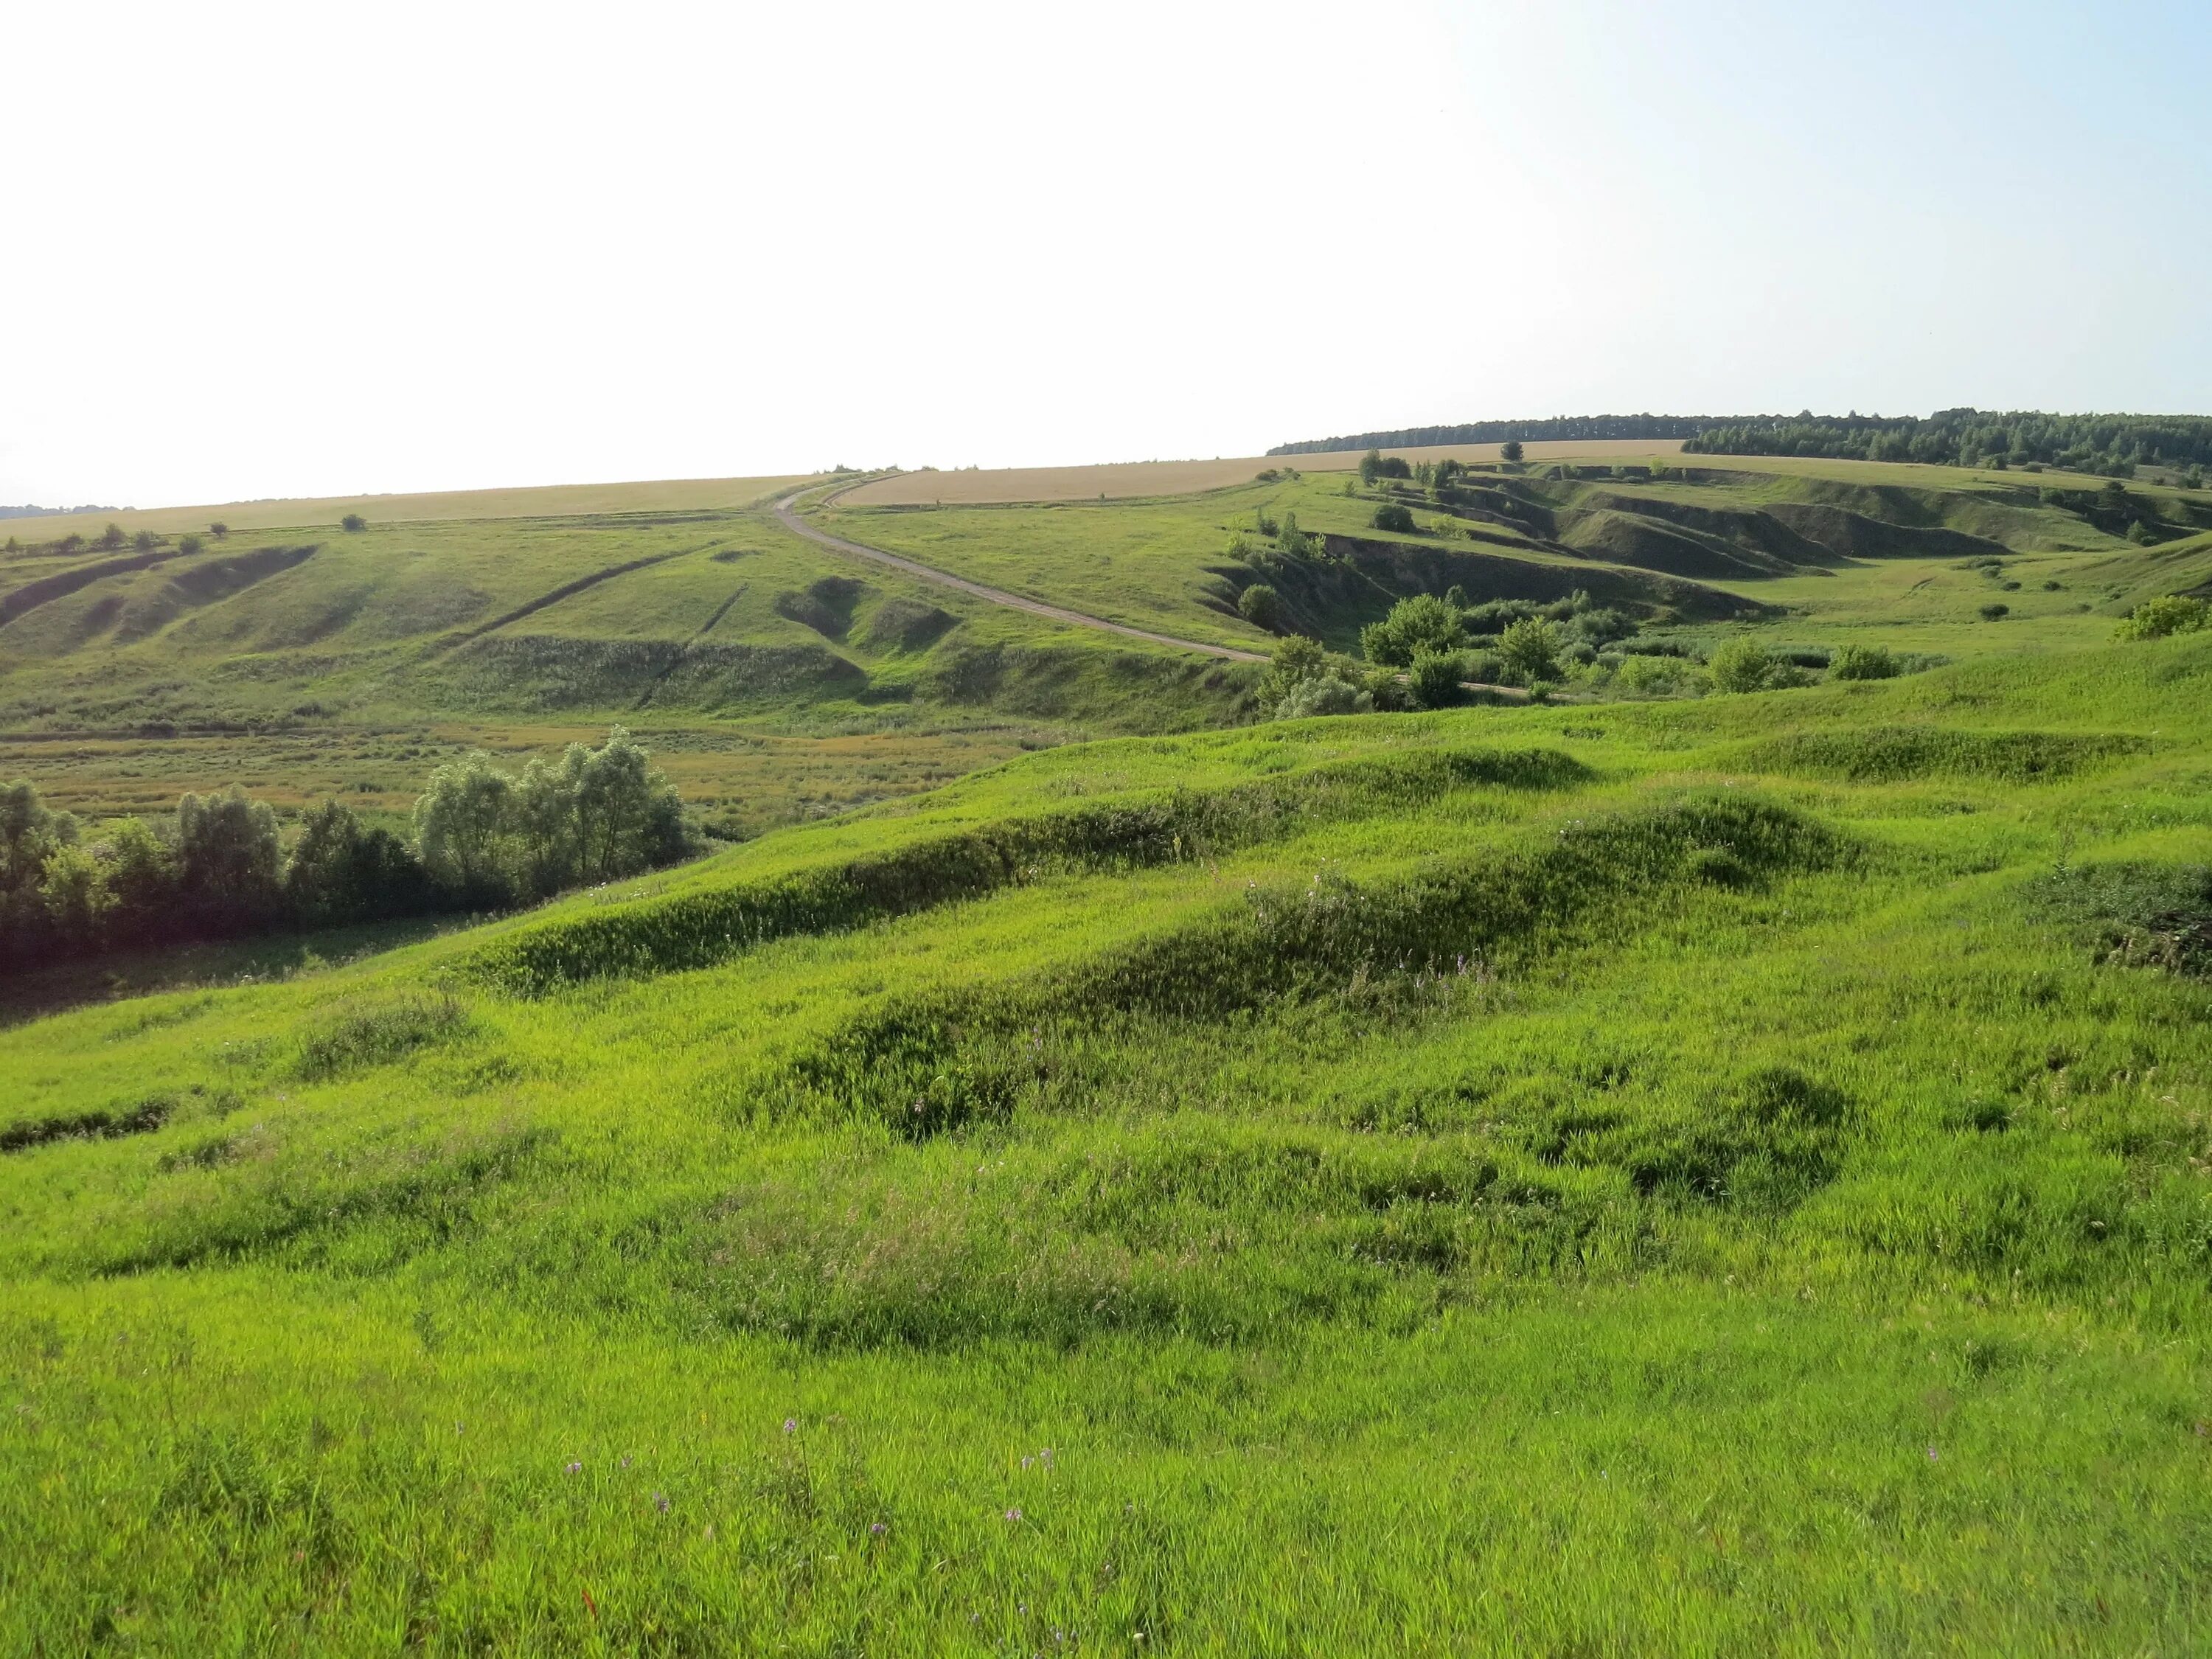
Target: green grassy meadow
(1724, 1175)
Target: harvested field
(546, 501)
(1124, 480)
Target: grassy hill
(1841, 545)
(1722, 1175)
(306, 659)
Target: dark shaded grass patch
(359, 1036)
(1222, 1232)
(1897, 753)
(2133, 915)
(106, 1123)
(697, 931)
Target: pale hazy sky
(284, 249)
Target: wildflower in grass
(625, 1462)
(1013, 1515)
(1931, 1453)
(708, 1534)
(660, 1502)
(791, 1425)
(575, 1469)
(878, 1529)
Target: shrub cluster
(219, 869)
(2176, 613)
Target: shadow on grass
(117, 976)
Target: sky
(256, 250)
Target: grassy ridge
(672, 934)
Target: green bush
(1741, 665)
(1530, 648)
(1261, 606)
(1996, 612)
(189, 543)
(1423, 622)
(353, 521)
(1652, 676)
(1394, 516)
(1435, 677)
(1326, 694)
(2176, 613)
(1863, 662)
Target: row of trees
(2113, 445)
(484, 839)
(115, 539)
(1563, 427)
(1437, 477)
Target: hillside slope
(1721, 1176)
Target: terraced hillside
(129, 673)
(1722, 1175)
(1692, 547)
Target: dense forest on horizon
(1556, 429)
(2113, 445)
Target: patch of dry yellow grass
(543, 501)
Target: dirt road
(798, 526)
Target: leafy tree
(1530, 648)
(145, 541)
(142, 880)
(29, 833)
(1261, 606)
(1741, 665)
(1393, 515)
(1296, 542)
(218, 530)
(343, 872)
(111, 538)
(74, 894)
(189, 544)
(226, 858)
(1297, 659)
(1371, 467)
(1510, 450)
(461, 825)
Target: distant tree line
(2114, 446)
(484, 839)
(28, 511)
(113, 540)
(1558, 429)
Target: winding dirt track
(798, 526)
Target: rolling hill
(1720, 1174)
